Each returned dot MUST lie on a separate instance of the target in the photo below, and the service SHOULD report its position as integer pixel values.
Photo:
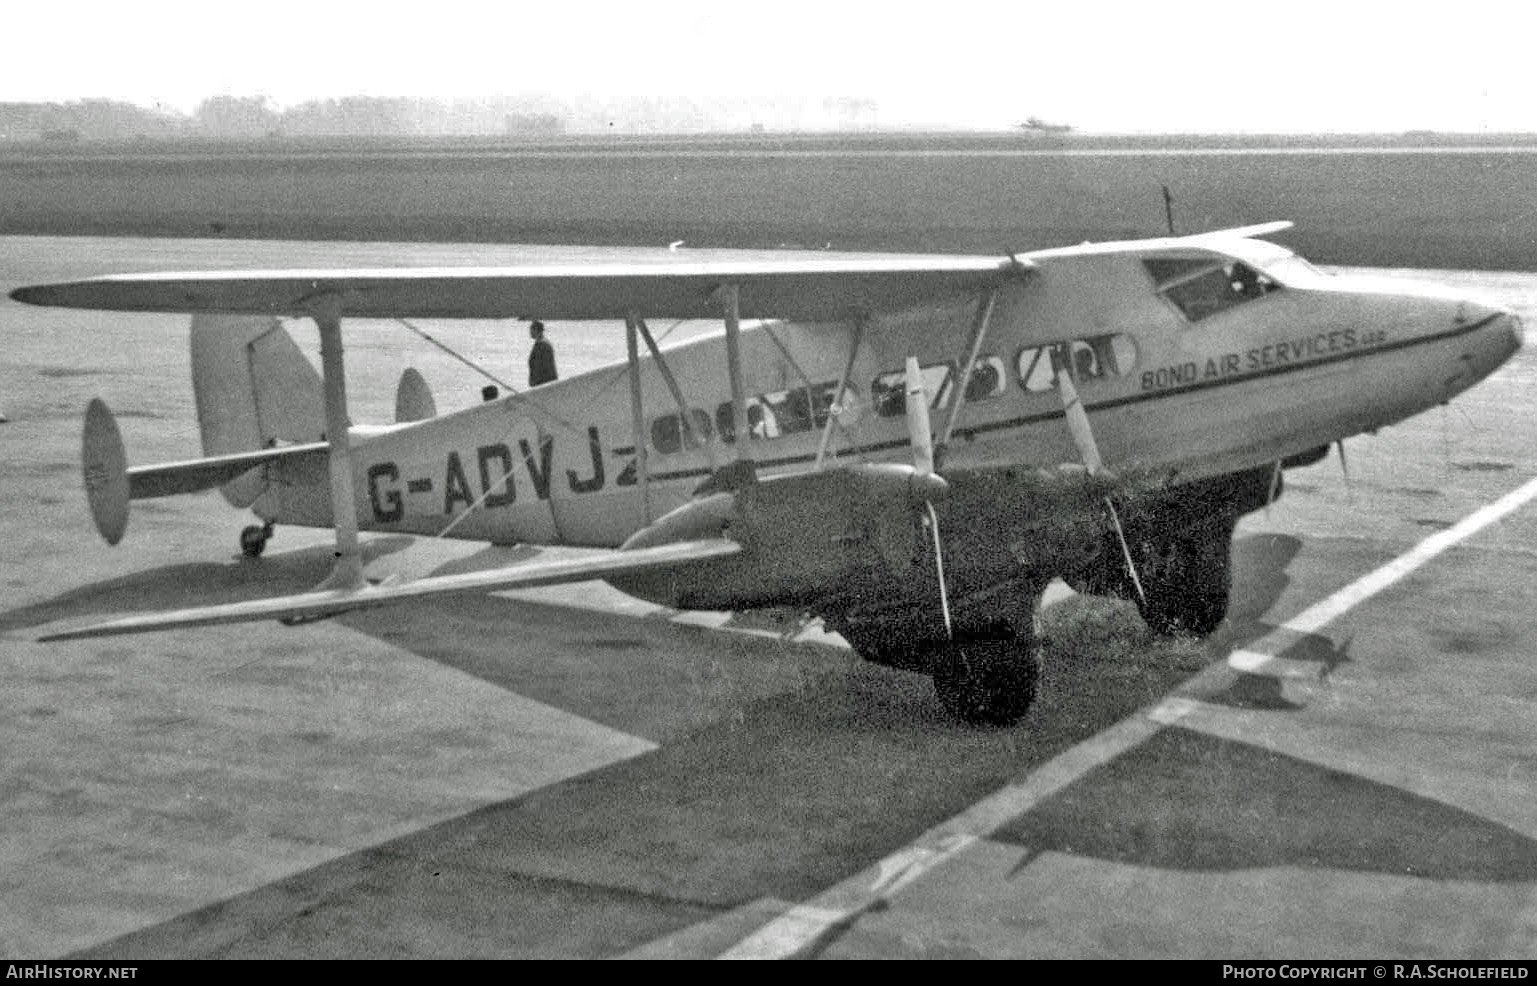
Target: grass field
(1393, 202)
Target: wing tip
(32, 294)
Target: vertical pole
(347, 573)
(637, 419)
(731, 297)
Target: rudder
(254, 389)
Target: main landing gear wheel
(986, 677)
(1187, 579)
(989, 682)
(253, 540)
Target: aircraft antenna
(1168, 208)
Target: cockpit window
(1202, 287)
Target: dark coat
(541, 363)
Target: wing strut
(730, 296)
(348, 570)
(638, 420)
(978, 333)
(677, 392)
(843, 388)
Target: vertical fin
(254, 389)
(413, 398)
(106, 471)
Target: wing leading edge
(818, 287)
(331, 602)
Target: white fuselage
(1168, 385)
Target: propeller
(1078, 425)
(1088, 450)
(922, 439)
(918, 419)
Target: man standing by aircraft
(541, 359)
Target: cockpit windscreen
(1201, 287)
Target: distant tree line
(256, 117)
(248, 117)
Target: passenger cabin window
(785, 412)
(889, 390)
(987, 380)
(1087, 361)
(1203, 286)
(667, 432)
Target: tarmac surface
(1345, 769)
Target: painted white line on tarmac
(800, 928)
(1259, 657)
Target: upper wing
(330, 602)
(804, 286)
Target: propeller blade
(1131, 565)
(918, 419)
(1088, 450)
(923, 461)
(939, 567)
(1078, 424)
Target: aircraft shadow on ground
(787, 786)
(779, 786)
(1259, 579)
(1190, 801)
(801, 791)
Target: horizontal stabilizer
(330, 602)
(195, 475)
(110, 484)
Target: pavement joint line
(800, 928)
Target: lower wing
(329, 602)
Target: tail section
(110, 484)
(254, 389)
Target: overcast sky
(1283, 65)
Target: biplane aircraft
(908, 447)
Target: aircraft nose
(1497, 335)
(1501, 326)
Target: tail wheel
(989, 682)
